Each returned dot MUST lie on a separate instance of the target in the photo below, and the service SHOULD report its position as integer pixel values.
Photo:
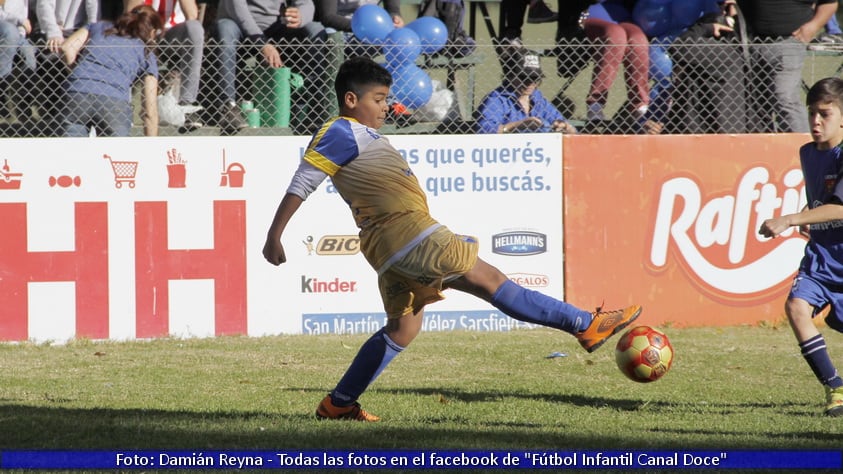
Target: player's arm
(306, 179)
(825, 213)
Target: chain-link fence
(691, 88)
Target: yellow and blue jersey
(386, 200)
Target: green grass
(729, 388)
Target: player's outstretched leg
(591, 329)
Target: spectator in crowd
(780, 31)
(335, 15)
(262, 24)
(616, 44)
(709, 94)
(58, 19)
(512, 14)
(107, 59)
(182, 47)
(14, 29)
(832, 38)
(517, 105)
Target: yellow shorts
(416, 279)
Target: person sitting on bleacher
(336, 15)
(182, 47)
(14, 29)
(517, 105)
(56, 20)
(264, 24)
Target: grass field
(729, 388)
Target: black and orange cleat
(328, 411)
(605, 324)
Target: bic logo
(338, 245)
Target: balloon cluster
(669, 17)
(411, 85)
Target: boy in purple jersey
(819, 282)
(415, 256)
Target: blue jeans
(12, 43)
(111, 117)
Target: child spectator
(517, 105)
(107, 59)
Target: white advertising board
(141, 238)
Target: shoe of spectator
(506, 41)
(827, 42)
(231, 120)
(192, 121)
(539, 12)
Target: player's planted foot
(327, 410)
(605, 324)
(834, 398)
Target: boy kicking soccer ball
(818, 282)
(415, 256)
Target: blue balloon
(653, 16)
(411, 86)
(660, 64)
(432, 33)
(599, 11)
(685, 13)
(371, 24)
(402, 46)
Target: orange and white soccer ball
(644, 354)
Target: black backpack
(452, 13)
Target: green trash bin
(273, 88)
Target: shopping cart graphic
(124, 171)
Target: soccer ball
(644, 354)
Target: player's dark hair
(357, 73)
(826, 90)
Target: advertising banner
(671, 223)
(141, 238)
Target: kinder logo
(529, 279)
(314, 285)
(338, 245)
(715, 237)
(519, 243)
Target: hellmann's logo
(714, 236)
(315, 285)
(519, 243)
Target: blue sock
(537, 308)
(375, 354)
(816, 354)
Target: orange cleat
(328, 411)
(605, 324)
